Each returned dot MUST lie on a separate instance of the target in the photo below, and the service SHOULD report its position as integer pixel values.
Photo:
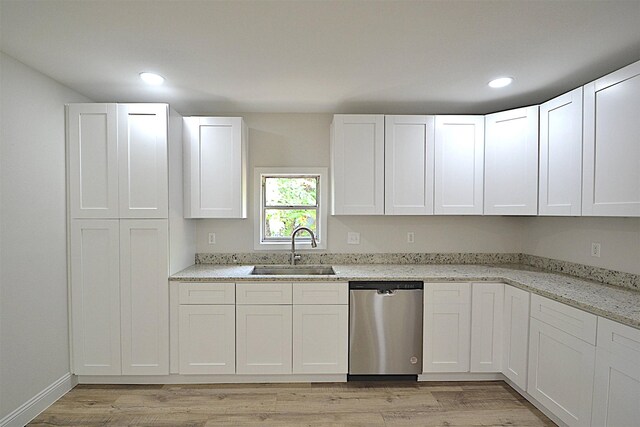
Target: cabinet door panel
(459, 165)
(561, 369)
(263, 339)
(486, 327)
(93, 160)
(611, 173)
(616, 395)
(409, 165)
(357, 164)
(511, 162)
(145, 297)
(561, 155)
(217, 165)
(95, 297)
(516, 335)
(320, 339)
(142, 148)
(207, 339)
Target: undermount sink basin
(293, 270)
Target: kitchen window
(287, 198)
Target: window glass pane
(284, 191)
(280, 223)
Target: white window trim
(323, 188)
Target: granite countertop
(615, 303)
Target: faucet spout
(314, 244)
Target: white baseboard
(38, 403)
(209, 379)
(461, 376)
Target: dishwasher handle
(386, 286)
(386, 292)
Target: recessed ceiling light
(501, 82)
(152, 78)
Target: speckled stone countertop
(612, 302)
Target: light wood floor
(356, 404)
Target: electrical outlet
(212, 238)
(595, 250)
(353, 238)
(411, 237)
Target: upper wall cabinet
(215, 167)
(117, 160)
(459, 165)
(511, 162)
(408, 165)
(611, 154)
(561, 155)
(357, 164)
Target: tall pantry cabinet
(120, 184)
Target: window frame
(321, 211)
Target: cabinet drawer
(320, 293)
(447, 293)
(259, 293)
(619, 339)
(575, 322)
(207, 293)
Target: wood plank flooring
(351, 404)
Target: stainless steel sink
(293, 270)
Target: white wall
(303, 140)
(34, 350)
(570, 239)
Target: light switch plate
(353, 238)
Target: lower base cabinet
(207, 339)
(561, 369)
(515, 335)
(263, 339)
(320, 339)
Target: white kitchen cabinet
(487, 301)
(515, 334)
(459, 165)
(215, 171)
(561, 369)
(207, 339)
(357, 164)
(561, 155)
(263, 339)
(511, 162)
(447, 327)
(408, 165)
(93, 160)
(142, 160)
(320, 339)
(95, 297)
(144, 298)
(611, 153)
(616, 391)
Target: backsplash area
(610, 277)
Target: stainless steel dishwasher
(385, 328)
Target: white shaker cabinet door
(561, 368)
(142, 152)
(357, 164)
(93, 160)
(511, 162)
(215, 167)
(263, 339)
(447, 327)
(207, 336)
(487, 300)
(95, 297)
(459, 165)
(320, 339)
(409, 162)
(515, 334)
(611, 155)
(561, 155)
(144, 297)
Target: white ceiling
(323, 56)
